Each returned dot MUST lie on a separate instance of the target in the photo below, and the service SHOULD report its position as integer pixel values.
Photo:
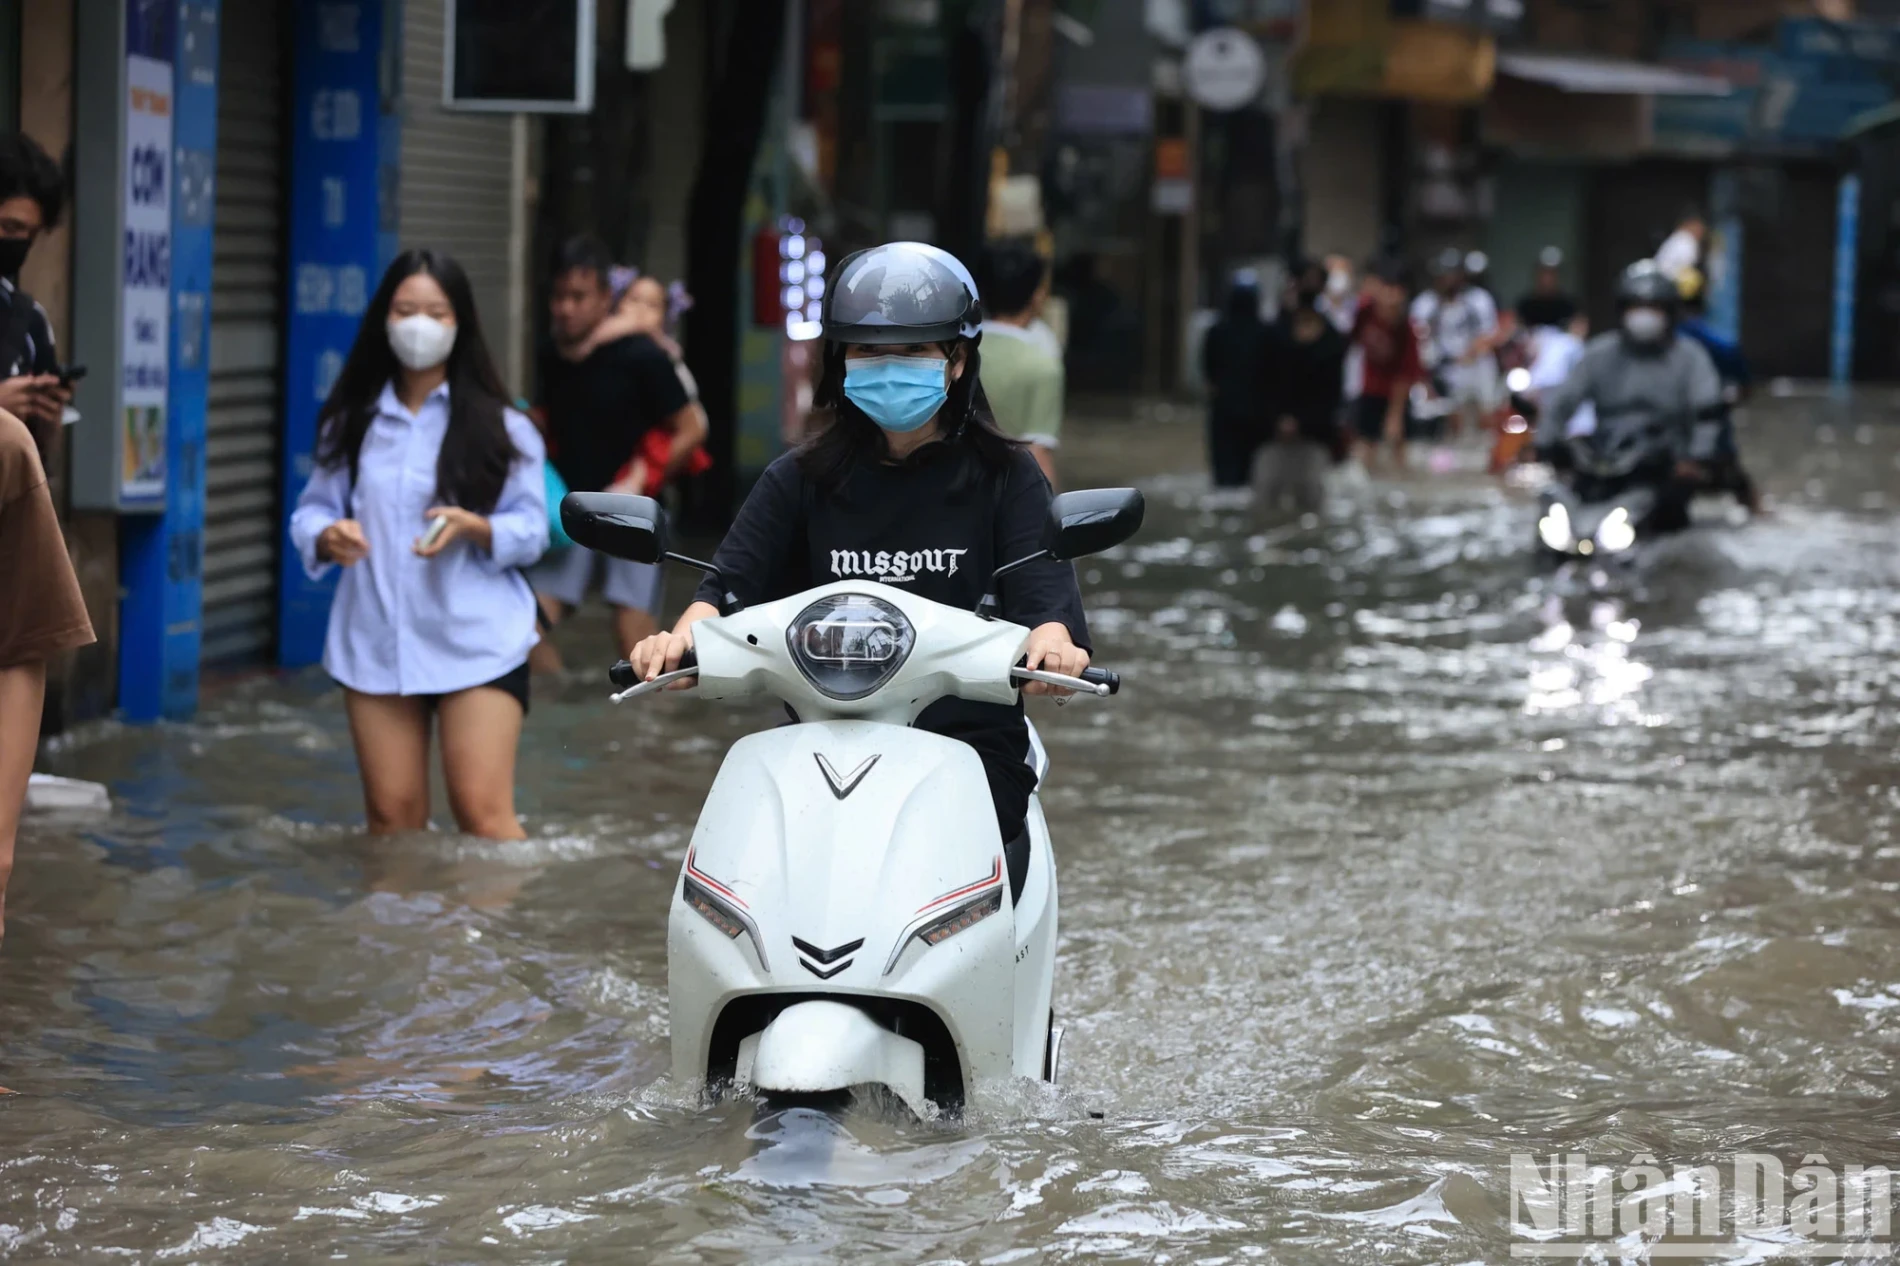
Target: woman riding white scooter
(911, 484)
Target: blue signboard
(1798, 93)
(1724, 295)
(337, 248)
(173, 76)
(1846, 264)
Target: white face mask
(1338, 283)
(421, 342)
(1645, 325)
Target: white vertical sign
(146, 277)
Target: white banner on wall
(147, 277)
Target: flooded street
(1382, 868)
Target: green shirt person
(1022, 364)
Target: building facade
(242, 172)
(261, 161)
(1595, 127)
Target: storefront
(1779, 187)
(243, 540)
(1345, 174)
(1568, 138)
(266, 157)
(460, 188)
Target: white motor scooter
(847, 915)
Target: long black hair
(850, 436)
(476, 451)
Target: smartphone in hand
(437, 526)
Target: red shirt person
(1388, 346)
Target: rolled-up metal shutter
(456, 190)
(242, 441)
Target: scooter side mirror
(1088, 522)
(616, 524)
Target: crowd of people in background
(1367, 366)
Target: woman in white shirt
(429, 494)
(1682, 250)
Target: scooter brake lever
(658, 683)
(1099, 689)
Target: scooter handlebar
(622, 675)
(1102, 684)
(1094, 681)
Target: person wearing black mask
(32, 195)
(1231, 358)
(1305, 375)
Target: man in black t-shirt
(1547, 303)
(600, 410)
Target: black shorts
(514, 684)
(1368, 417)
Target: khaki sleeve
(1057, 388)
(1041, 401)
(41, 611)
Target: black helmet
(1643, 285)
(901, 292)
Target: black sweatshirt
(937, 525)
(1305, 380)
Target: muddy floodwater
(1384, 867)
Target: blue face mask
(899, 393)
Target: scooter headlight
(960, 919)
(1554, 528)
(850, 644)
(719, 912)
(1616, 533)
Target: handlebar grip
(623, 676)
(1103, 677)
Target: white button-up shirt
(402, 624)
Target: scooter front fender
(817, 1046)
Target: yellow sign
(1353, 50)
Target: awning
(1873, 121)
(1609, 75)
